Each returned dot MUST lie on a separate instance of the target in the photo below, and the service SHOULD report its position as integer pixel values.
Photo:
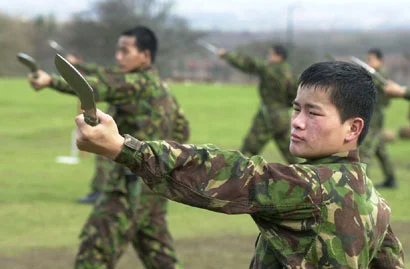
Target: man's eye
(296, 109)
(314, 114)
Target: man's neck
(141, 69)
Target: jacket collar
(340, 157)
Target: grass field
(40, 220)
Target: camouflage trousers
(384, 159)
(103, 166)
(114, 223)
(269, 125)
(374, 145)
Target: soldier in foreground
(145, 108)
(321, 213)
(375, 144)
(277, 89)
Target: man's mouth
(296, 138)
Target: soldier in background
(145, 108)
(324, 213)
(375, 143)
(277, 89)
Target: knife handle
(90, 117)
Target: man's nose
(299, 121)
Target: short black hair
(377, 52)
(280, 50)
(351, 89)
(145, 39)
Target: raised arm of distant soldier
(393, 89)
(89, 69)
(248, 64)
(107, 88)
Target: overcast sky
(253, 14)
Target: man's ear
(355, 127)
(147, 55)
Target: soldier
(145, 108)
(324, 213)
(277, 89)
(375, 143)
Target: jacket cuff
(129, 155)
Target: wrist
(53, 80)
(115, 148)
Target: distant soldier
(145, 108)
(375, 144)
(277, 89)
(324, 213)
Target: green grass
(37, 195)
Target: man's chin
(298, 152)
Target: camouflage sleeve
(390, 254)
(218, 180)
(60, 85)
(246, 64)
(87, 68)
(115, 93)
(90, 69)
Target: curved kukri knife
(80, 86)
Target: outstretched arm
(113, 89)
(393, 89)
(202, 176)
(243, 63)
(88, 69)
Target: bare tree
(15, 36)
(94, 33)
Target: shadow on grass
(204, 253)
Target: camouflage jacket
(90, 69)
(277, 85)
(320, 214)
(143, 105)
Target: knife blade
(57, 47)
(80, 86)
(208, 46)
(28, 61)
(369, 69)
